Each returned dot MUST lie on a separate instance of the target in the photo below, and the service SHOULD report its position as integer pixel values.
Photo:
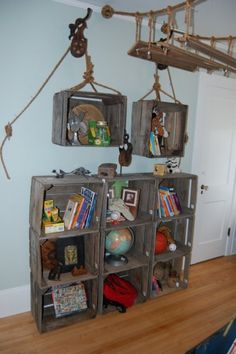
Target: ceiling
(125, 5)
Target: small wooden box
(112, 107)
(175, 124)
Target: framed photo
(70, 253)
(130, 196)
(111, 193)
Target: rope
(89, 79)
(108, 11)
(157, 88)
(8, 127)
(138, 27)
(171, 84)
(230, 46)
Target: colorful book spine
(91, 212)
(78, 210)
(82, 214)
(91, 197)
(70, 212)
(168, 205)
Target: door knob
(204, 188)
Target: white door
(214, 160)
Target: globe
(118, 242)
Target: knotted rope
(89, 79)
(158, 90)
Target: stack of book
(169, 202)
(80, 209)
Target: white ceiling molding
(85, 5)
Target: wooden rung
(210, 51)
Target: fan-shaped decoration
(79, 118)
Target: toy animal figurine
(80, 171)
(55, 273)
(172, 165)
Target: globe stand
(116, 260)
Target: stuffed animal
(172, 165)
(167, 233)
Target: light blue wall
(33, 36)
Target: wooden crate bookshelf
(141, 257)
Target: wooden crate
(42, 307)
(185, 186)
(59, 190)
(144, 184)
(175, 124)
(173, 276)
(112, 106)
(40, 270)
(138, 277)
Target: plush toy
(172, 165)
(171, 245)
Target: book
(82, 215)
(177, 201)
(69, 299)
(70, 211)
(169, 193)
(81, 201)
(164, 209)
(169, 207)
(91, 197)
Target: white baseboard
(14, 301)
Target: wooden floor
(168, 325)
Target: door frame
(231, 240)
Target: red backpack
(120, 291)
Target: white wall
(33, 36)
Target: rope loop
(230, 47)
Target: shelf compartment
(139, 253)
(40, 264)
(142, 185)
(138, 277)
(175, 122)
(60, 190)
(169, 275)
(181, 230)
(43, 309)
(112, 108)
(185, 186)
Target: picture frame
(70, 253)
(130, 197)
(111, 193)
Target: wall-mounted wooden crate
(102, 106)
(175, 121)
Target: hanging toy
(125, 156)
(158, 131)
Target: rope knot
(156, 86)
(8, 130)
